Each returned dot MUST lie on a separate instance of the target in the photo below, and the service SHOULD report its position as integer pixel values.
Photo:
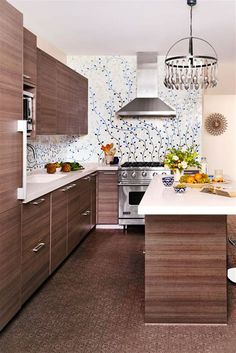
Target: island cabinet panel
(58, 227)
(10, 264)
(11, 83)
(185, 269)
(35, 244)
(107, 197)
(30, 57)
(46, 94)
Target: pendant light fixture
(197, 68)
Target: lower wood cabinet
(10, 265)
(93, 185)
(58, 227)
(35, 244)
(107, 197)
(79, 212)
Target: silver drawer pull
(26, 76)
(86, 213)
(87, 178)
(38, 247)
(109, 173)
(65, 189)
(38, 202)
(71, 186)
(93, 175)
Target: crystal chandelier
(191, 70)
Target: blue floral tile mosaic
(112, 84)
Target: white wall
(221, 150)
(51, 50)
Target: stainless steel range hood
(147, 103)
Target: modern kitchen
(118, 178)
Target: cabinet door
(10, 264)
(79, 211)
(58, 227)
(30, 57)
(63, 99)
(82, 106)
(11, 83)
(35, 244)
(107, 197)
(93, 199)
(46, 94)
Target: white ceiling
(126, 26)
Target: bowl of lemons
(197, 180)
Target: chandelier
(191, 70)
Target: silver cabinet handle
(38, 247)
(65, 189)
(87, 178)
(109, 173)
(37, 202)
(93, 175)
(26, 76)
(71, 186)
(86, 213)
(22, 127)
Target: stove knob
(124, 174)
(155, 173)
(133, 174)
(144, 174)
(163, 173)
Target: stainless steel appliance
(133, 180)
(28, 105)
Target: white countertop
(49, 184)
(161, 200)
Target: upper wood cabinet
(10, 264)
(11, 83)
(46, 94)
(62, 103)
(30, 57)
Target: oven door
(130, 197)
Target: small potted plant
(109, 152)
(178, 159)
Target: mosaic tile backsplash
(112, 84)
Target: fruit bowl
(180, 188)
(168, 181)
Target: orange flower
(106, 149)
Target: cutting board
(220, 192)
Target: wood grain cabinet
(79, 211)
(30, 57)
(107, 197)
(35, 244)
(58, 227)
(11, 83)
(62, 98)
(93, 185)
(46, 94)
(10, 264)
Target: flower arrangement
(109, 151)
(182, 158)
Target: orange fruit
(198, 177)
(191, 179)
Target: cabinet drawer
(35, 244)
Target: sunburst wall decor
(216, 124)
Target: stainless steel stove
(133, 180)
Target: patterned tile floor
(95, 303)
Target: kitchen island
(185, 255)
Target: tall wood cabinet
(11, 82)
